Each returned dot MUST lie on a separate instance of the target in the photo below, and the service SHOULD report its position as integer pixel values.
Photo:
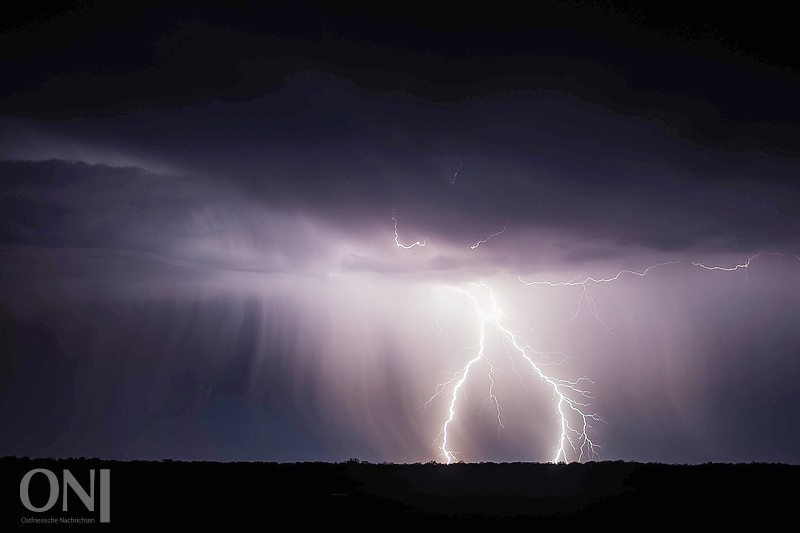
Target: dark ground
(630, 495)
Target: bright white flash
(570, 398)
(397, 236)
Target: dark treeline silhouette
(202, 493)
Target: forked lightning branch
(571, 405)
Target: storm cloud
(197, 244)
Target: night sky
(197, 244)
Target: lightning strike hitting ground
(484, 241)
(571, 399)
(397, 236)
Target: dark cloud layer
(197, 254)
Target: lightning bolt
(484, 241)
(743, 266)
(571, 399)
(575, 283)
(455, 174)
(585, 282)
(397, 236)
(572, 407)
